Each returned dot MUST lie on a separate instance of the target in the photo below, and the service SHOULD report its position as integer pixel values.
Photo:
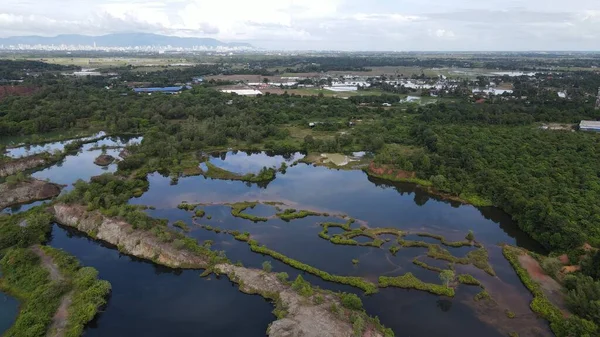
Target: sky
(378, 25)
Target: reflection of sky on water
(75, 167)
(9, 308)
(51, 147)
(242, 162)
(328, 190)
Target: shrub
(551, 266)
(283, 277)
(470, 236)
(302, 287)
(351, 301)
(447, 276)
(266, 266)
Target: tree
(267, 266)
(447, 276)
(265, 80)
(470, 236)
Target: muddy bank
(27, 192)
(305, 316)
(21, 164)
(136, 242)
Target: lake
(151, 300)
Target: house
(386, 104)
(589, 126)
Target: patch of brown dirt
(564, 259)
(386, 170)
(48, 264)
(570, 269)
(26, 192)
(11, 90)
(551, 288)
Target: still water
(9, 308)
(150, 300)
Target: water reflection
(9, 308)
(149, 300)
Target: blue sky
(399, 25)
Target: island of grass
(264, 175)
(238, 208)
(291, 214)
(409, 281)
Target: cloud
(324, 24)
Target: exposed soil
(551, 288)
(398, 174)
(304, 317)
(139, 243)
(26, 192)
(21, 164)
(10, 90)
(104, 160)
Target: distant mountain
(121, 40)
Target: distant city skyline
(429, 25)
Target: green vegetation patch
(291, 214)
(238, 208)
(478, 257)
(89, 293)
(264, 175)
(427, 266)
(358, 282)
(409, 281)
(469, 280)
(181, 225)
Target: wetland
(392, 224)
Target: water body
(9, 308)
(150, 300)
(153, 301)
(251, 162)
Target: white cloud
(324, 24)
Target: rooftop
(590, 124)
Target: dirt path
(550, 287)
(48, 264)
(59, 321)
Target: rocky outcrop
(136, 242)
(305, 317)
(27, 191)
(21, 164)
(104, 160)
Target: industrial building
(589, 126)
(165, 90)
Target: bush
(283, 277)
(302, 287)
(470, 236)
(266, 266)
(551, 266)
(351, 301)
